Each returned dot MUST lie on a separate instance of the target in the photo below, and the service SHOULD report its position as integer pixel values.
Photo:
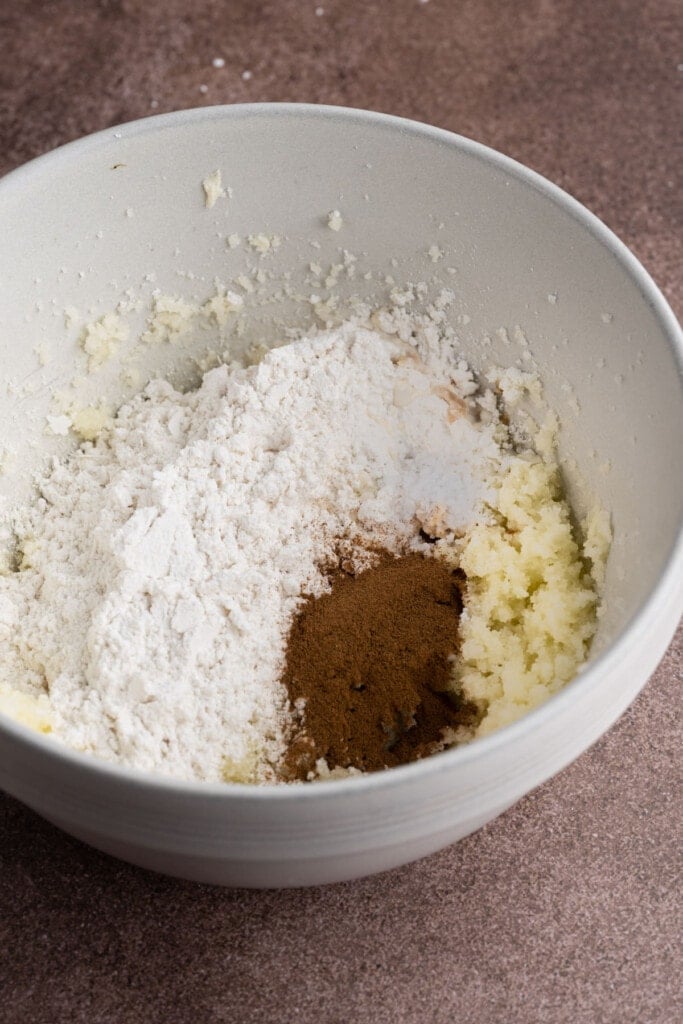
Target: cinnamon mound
(370, 660)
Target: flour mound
(163, 564)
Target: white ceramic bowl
(523, 252)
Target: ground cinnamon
(370, 659)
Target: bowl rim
(532, 721)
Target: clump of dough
(32, 711)
(222, 305)
(89, 421)
(334, 220)
(170, 319)
(263, 244)
(597, 532)
(100, 340)
(213, 189)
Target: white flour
(164, 564)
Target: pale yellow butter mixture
(531, 595)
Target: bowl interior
(124, 210)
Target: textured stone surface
(566, 909)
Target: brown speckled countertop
(567, 908)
